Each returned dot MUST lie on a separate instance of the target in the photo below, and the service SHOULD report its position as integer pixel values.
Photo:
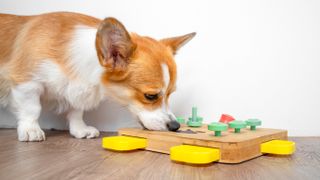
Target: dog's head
(140, 72)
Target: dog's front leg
(26, 103)
(78, 127)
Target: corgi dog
(72, 62)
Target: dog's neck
(83, 60)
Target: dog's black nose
(173, 126)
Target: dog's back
(28, 40)
(10, 26)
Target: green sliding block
(194, 120)
(237, 125)
(181, 120)
(217, 128)
(253, 123)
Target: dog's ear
(114, 45)
(175, 43)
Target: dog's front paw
(85, 132)
(30, 132)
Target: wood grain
(63, 157)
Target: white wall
(249, 59)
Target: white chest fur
(82, 89)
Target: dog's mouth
(158, 128)
(170, 126)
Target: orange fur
(76, 74)
(144, 73)
(28, 40)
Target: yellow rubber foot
(194, 154)
(279, 147)
(123, 143)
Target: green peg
(253, 123)
(194, 120)
(217, 128)
(237, 125)
(181, 120)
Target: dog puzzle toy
(226, 118)
(197, 145)
(194, 120)
(217, 128)
(237, 125)
(194, 154)
(181, 120)
(278, 147)
(253, 123)
(124, 143)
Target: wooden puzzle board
(234, 147)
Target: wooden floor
(63, 157)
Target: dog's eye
(151, 97)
